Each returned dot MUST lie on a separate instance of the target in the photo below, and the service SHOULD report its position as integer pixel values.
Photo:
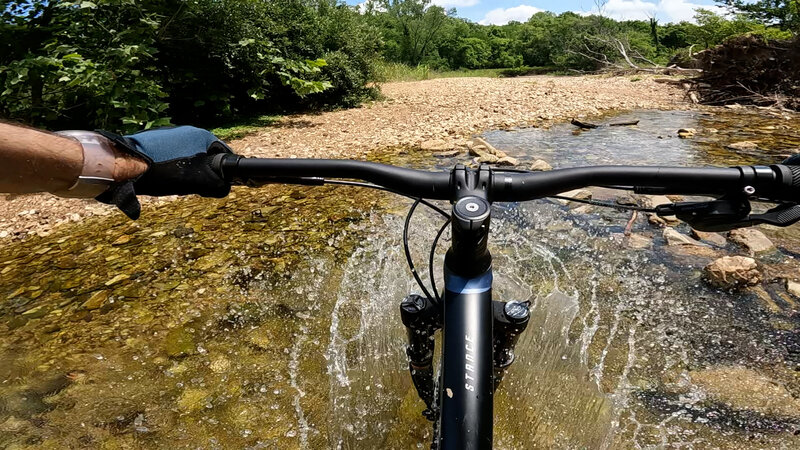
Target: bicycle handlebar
(775, 182)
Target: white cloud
(362, 7)
(663, 10)
(455, 3)
(502, 16)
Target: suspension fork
(478, 334)
(421, 317)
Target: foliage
(241, 128)
(416, 33)
(388, 71)
(131, 64)
(783, 13)
(126, 65)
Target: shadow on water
(270, 320)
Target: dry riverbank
(411, 113)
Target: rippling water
(270, 319)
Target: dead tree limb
(624, 124)
(584, 125)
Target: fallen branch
(589, 125)
(678, 82)
(629, 225)
(624, 124)
(584, 125)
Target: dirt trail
(412, 113)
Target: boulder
(480, 142)
(686, 133)
(752, 239)
(487, 159)
(507, 161)
(540, 165)
(732, 272)
(436, 145)
(714, 238)
(479, 151)
(652, 201)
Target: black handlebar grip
(789, 179)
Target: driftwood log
(624, 124)
(584, 125)
(589, 126)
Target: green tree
(418, 24)
(783, 13)
(126, 65)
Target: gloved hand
(179, 164)
(793, 160)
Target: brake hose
(605, 204)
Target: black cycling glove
(793, 160)
(180, 164)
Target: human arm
(164, 161)
(39, 161)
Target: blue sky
(500, 12)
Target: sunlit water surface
(270, 319)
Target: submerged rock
(436, 145)
(674, 237)
(447, 154)
(745, 389)
(96, 300)
(793, 288)
(732, 272)
(180, 342)
(193, 400)
(752, 239)
(634, 240)
(743, 145)
(686, 133)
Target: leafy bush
(126, 65)
(68, 64)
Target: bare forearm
(37, 161)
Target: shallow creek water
(270, 319)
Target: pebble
(793, 288)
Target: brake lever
(726, 214)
